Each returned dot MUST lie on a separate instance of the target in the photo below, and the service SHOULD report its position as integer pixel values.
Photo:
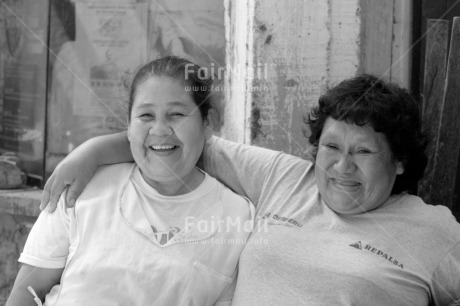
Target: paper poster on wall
(193, 29)
(23, 80)
(19, 95)
(111, 39)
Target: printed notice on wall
(111, 40)
(18, 110)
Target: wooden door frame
(422, 11)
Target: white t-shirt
(168, 215)
(112, 256)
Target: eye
(332, 146)
(364, 151)
(146, 116)
(176, 115)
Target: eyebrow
(177, 103)
(329, 136)
(363, 140)
(174, 103)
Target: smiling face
(166, 132)
(354, 169)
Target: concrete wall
(18, 212)
(290, 51)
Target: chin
(344, 208)
(342, 211)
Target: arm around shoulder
(241, 167)
(79, 166)
(110, 149)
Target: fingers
(57, 189)
(45, 199)
(47, 192)
(73, 192)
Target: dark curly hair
(389, 109)
(198, 84)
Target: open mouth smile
(163, 148)
(343, 184)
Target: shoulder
(103, 190)
(219, 147)
(428, 211)
(234, 204)
(109, 176)
(216, 144)
(436, 219)
(278, 161)
(295, 165)
(113, 171)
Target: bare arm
(79, 166)
(242, 168)
(40, 279)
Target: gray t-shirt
(303, 253)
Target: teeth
(347, 183)
(162, 147)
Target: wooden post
(377, 37)
(449, 134)
(433, 92)
(401, 54)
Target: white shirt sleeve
(48, 243)
(241, 167)
(446, 279)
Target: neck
(178, 186)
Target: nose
(160, 127)
(345, 164)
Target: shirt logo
(164, 236)
(367, 247)
(357, 245)
(281, 219)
